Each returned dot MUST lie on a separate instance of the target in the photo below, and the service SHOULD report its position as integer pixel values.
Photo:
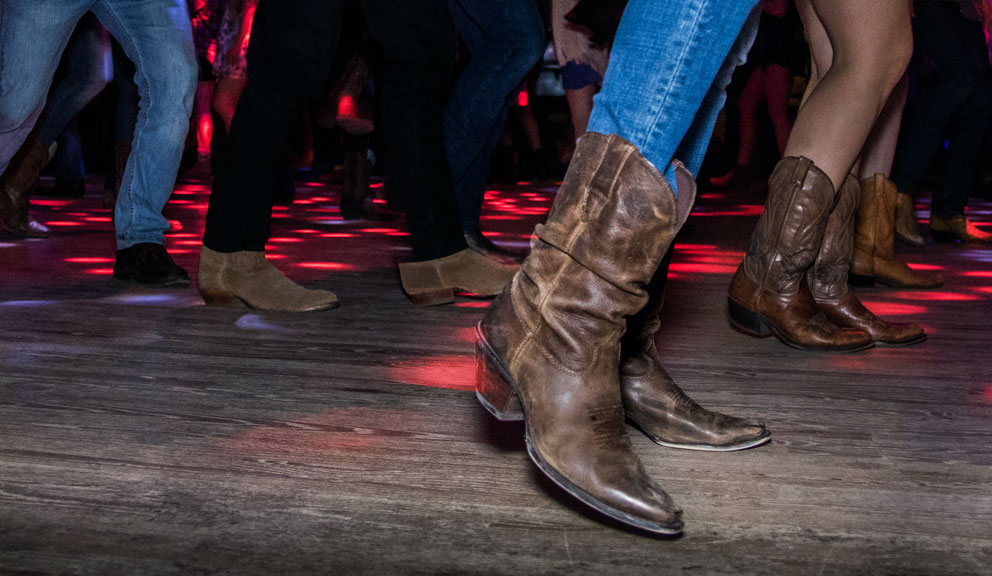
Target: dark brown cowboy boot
(875, 258)
(16, 185)
(655, 404)
(550, 342)
(768, 294)
(828, 277)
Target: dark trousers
(289, 58)
(954, 106)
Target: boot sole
(495, 388)
(225, 299)
(756, 324)
(897, 344)
(751, 443)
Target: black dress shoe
(149, 263)
(476, 241)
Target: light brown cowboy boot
(828, 277)
(875, 258)
(768, 294)
(15, 186)
(905, 227)
(957, 229)
(550, 342)
(226, 278)
(655, 404)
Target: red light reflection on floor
(473, 304)
(466, 334)
(449, 372)
(100, 271)
(694, 268)
(89, 260)
(894, 309)
(988, 394)
(63, 223)
(326, 266)
(924, 266)
(337, 235)
(934, 296)
(55, 203)
(285, 240)
(979, 274)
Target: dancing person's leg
(505, 38)
(605, 238)
(871, 43)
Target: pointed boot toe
(247, 276)
(435, 282)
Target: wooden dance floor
(144, 433)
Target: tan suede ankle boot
(247, 276)
(433, 282)
(828, 277)
(768, 294)
(875, 258)
(548, 348)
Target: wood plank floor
(144, 433)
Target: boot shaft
(828, 275)
(789, 232)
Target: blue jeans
(156, 36)
(669, 69)
(505, 39)
(88, 69)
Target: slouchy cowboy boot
(655, 404)
(828, 277)
(15, 187)
(550, 342)
(768, 294)
(875, 258)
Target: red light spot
(934, 296)
(337, 235)
(986, 289)
(98, 219)
(186, 243)
(924, 266)
(50, 202)
(988, 394)
(275, 256)
(523, 98)
(175, 225)
(894, 309)
(63, 223)
(711, 196)
(978, 274)
(101, 271)
(473, 304)
(449, 372)
(306, 231)
(285, 240)
(347, 106)
(693, 268)
(326, 266)
(466, 334)
(89, 260)
(379, 230)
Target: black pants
(953, 106)
(289, 58)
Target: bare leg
(880, 149)
(860, 50)
(580, 105)
(227, 92)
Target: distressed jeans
(668, 73)
(156, 35)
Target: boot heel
(860, 280)
(747, 321)
(215, 298)
(433, 297)
(492, 389)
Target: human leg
(604, 239)
(156, 37)
(505, 39)
(289, 56)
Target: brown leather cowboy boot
(768, 294)
(655, 404)
(828, 277)
(957, 228)
(15, 187)
(875, 258)
(550, 342)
